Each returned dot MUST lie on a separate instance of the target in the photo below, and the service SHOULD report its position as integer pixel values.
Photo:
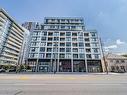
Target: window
(80, 38)
(112, 68)
(36, 33)
(81, 55)
(33, 55)
(94, 39)
(68, 38)
(117, 61)
(43, 44)
(96, 56)
(48, 55)
(95, 44)
(50, 33)
(74, 39)
(88, 50)
(81, 44)
(41, 55)
(68, 33)
(68, 44)
(74, 34)
(96, 50)
(55, 55)
(34, 49)
(49, 44)
(55, 44)
(62, 20)
(52, 20)
(62, 49)
(75, 55)
(86, 34)
(62, 34)
(62, 44)
(81, 50)
(87, 44)
(68, 55)
(62, 56)
(73, 27)
(35, 44)
(43, 39)
(93, 34)
(122, 61)
(56, 38)
(52, 27)
(55, 49)
(88, 56)
(87, 39)
(62, 39)
(122, 67)
(44, 33)
(49, 49)
(62, 27)
(80, 33)
(49, 39)
(74, 44)
(42, 49)
(56, 34)
(68, 49)
(34, 39)
(75, 49)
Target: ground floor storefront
(64, 65)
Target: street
(63, 84)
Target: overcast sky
(108, 17)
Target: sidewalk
(67, 73)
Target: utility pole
(105, 63)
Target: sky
(108, 17)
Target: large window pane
(68, 49)
(68, 44)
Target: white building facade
(64, 45)
(11, 39)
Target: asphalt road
(60, 84)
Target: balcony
(13, 44)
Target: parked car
(2, 70)
(11, 70)
(23, 70)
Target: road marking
(49, 78)
(23, 78)
(69, 84)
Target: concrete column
(58, 65)
(86, 65)
(50, 69)
(72, 65)
(37, 65)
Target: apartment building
(64, 45)
(11, 39)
